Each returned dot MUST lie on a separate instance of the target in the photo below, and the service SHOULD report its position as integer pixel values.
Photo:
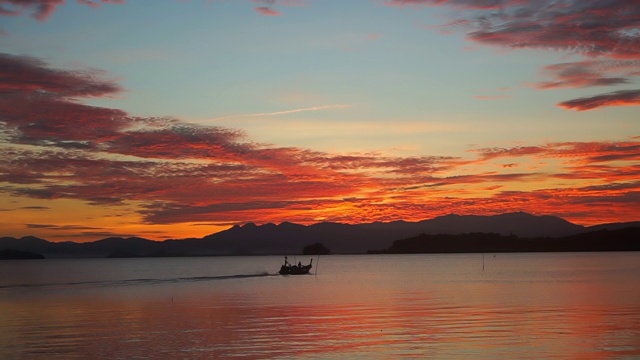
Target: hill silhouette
(290, 238)
(624, 239)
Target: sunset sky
(172, 119)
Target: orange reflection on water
(518, 307)
(221, 327)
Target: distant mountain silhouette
(289, 238)
(517, 223)
(613, 226)
(623, 239)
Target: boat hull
(294, 270)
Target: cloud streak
(616, 98)
(284, 112)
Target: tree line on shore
(627, 239)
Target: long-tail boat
(288, 269)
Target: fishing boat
(288, 269)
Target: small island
(316, 249)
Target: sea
(439, 306)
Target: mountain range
(290, 238)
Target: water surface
(570, 305)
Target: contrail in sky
(284, 112)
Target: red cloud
(579, 75)
(38, 104)
(28, 74)
(180, 141)
(42, 9)
(57, 122)
(616, 98)
(589, 152)
(257, 186)
(267, 11)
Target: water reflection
(459, 314)
(221, 327)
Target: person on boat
(299, 264)
(286, 262)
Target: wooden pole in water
(482, 261)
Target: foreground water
(573, 305)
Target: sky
(174, 118)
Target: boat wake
(132, 282)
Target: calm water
(575, 305)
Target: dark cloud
(51, 121)
(181, 141)
(167, 213)
(616, 98)
(492, 153)
(92, 234)
(62, 227)
(25, 74)
(594, 28)
(580, 74)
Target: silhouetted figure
(299, 263)
(286, 261)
